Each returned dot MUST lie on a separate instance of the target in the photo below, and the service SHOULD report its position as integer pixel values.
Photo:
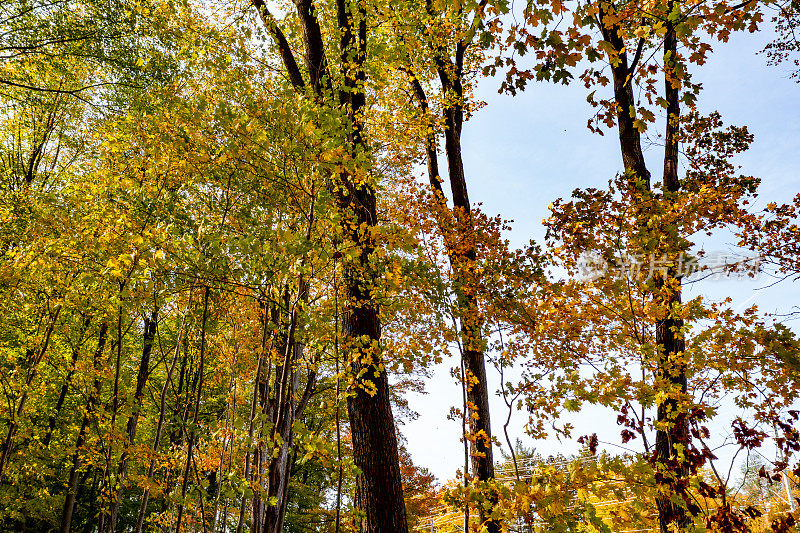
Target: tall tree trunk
(672, 432)
(161, 416)
(250, 458)
(461, 249)
(379, 491)
(286, 405)
(91, 407)
(148, 338)
(463, 258)
(278, 467)
(193, 428)
(339, 469)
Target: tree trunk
(672, 430)
(629, 138)
(461, 249)
(279, 464)
(379, 492)
(258, 385)
(672, 435)
(193, 428)
(148, 339)
(91, 406)
(161, 416)
(463, 260)
(285, 407)
(379, 489)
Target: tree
(378, 487)
(450, 33)
(640, 224)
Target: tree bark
(193, 428)
(629, 138)
(672, 431)
(148, 338)
(461, 248)
(259, 388)
(161, 416)
(282, 409)
(379, 492)
(287, 406)
(672, 434)
(91, 407)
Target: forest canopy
(239, 238)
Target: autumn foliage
(230, 255)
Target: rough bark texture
(461, 248)
(672, 429)
(379, 489)
(379, 493)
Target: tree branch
(285, 51)
(430, 136)
(636, 57)
(316, 60)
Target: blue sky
(523, 152)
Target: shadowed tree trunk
(285, 406)
(672, 431)
(91, 406)
(257, 387)
(379, 493)
(148, 337)
(161, 416)
(195, 413)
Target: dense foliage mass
(229, 253)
